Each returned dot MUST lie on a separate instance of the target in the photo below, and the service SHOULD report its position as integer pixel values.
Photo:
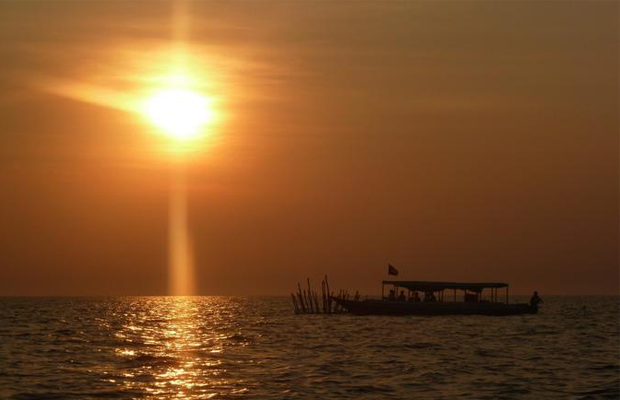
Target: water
(254, 347)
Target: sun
(178, 112)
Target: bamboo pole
(310, 296)
(305, 300)
(329, 300)
(308, 303)
(301, 299)
(294, 304)
(324, 299)
(337, 304)
(316, 303)
(335, 307)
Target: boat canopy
(430, 286)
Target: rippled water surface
(255, 347)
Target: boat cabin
(436, 291)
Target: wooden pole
(323, 294)
(340, 296)
(329, 299)
(309, 294)
(316, 303)
(336, 305)
(294, 303)
(309, 301)
(301, 299)
(308, 309)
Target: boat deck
(383, 307)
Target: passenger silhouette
(535, 300)
(391, 296)
(402, 296)
(429, 297)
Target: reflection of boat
(437, 302)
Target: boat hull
(381, 307)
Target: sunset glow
(180, 113)
(266, 142)
(309, 199)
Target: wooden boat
(436, 303)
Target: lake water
(255, 347)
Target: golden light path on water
(178, 343)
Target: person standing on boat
(535, 300)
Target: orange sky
(455, 140)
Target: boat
(440, 299)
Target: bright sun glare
(180, 113)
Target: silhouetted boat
(472, 303)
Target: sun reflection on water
(173, 348)
(229, 347)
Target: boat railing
(487, 292)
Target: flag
(392, 270)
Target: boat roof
(431, 286)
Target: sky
(456, 140)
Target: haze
(473, 141)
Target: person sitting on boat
(429, 297)
(415, 297)
(402, 296)
(535, 300)
(391, 296)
